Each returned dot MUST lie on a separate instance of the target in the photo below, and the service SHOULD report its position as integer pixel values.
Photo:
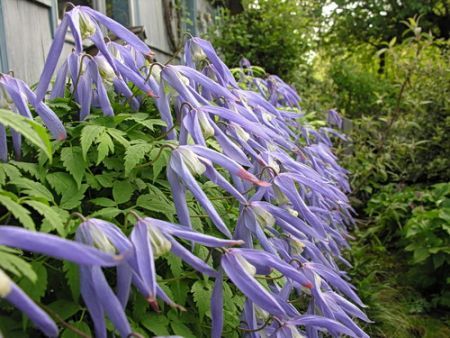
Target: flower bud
(192, 161)
(5, 284)
(160, 244)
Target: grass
(395, 307)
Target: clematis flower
(49, 245)
(15, 96)
(86, 23)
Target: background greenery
(385, 65)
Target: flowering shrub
(205, 191)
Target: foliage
(418, 221)
(259, 33)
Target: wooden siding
(29, 26)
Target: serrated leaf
(103, 202)
(71, 273)
(31, 130)
(88, 136)
(175, 264)
(33, 188)
(134, 155)
(154, 203)
(49, 214)
(158, 324)
(10, 261)
(10, 171)
(148, 123)
(159, 161)
(82, 326)
(105, 146)
(61, 182)
(18, 211)
(72, 199)
(108, 213)
(201, 292)
(74, 163)
(107, 179)
(118, 135)
(31, 168)
(181, 330)
(64, 308)
(122, 191)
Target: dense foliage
(385, 66)
(179, 199)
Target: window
(118, 10)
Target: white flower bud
(5, 284)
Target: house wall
(27, 27)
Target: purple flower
(49, 245)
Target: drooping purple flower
(53, 246)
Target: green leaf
(158, 324)
(122, 191)
(134, 155)
(202, 292)
(88, 136)
(175, 263)
(108, 213)
(32, 168)
(73, 161)
(159, 161)
(105, 146)
(33, 188)
(31, 130)
(37, 289)
(64, 308)
(71, 273)
(18, 211)
(82, 326)
(72, 199)
(10, 171)
(103, 202)
(49, 214)
(178, 327)
(10, 261)
(148, 123)
(118, 135)
(61, 182)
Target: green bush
(417, 220)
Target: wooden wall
(28, 27)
